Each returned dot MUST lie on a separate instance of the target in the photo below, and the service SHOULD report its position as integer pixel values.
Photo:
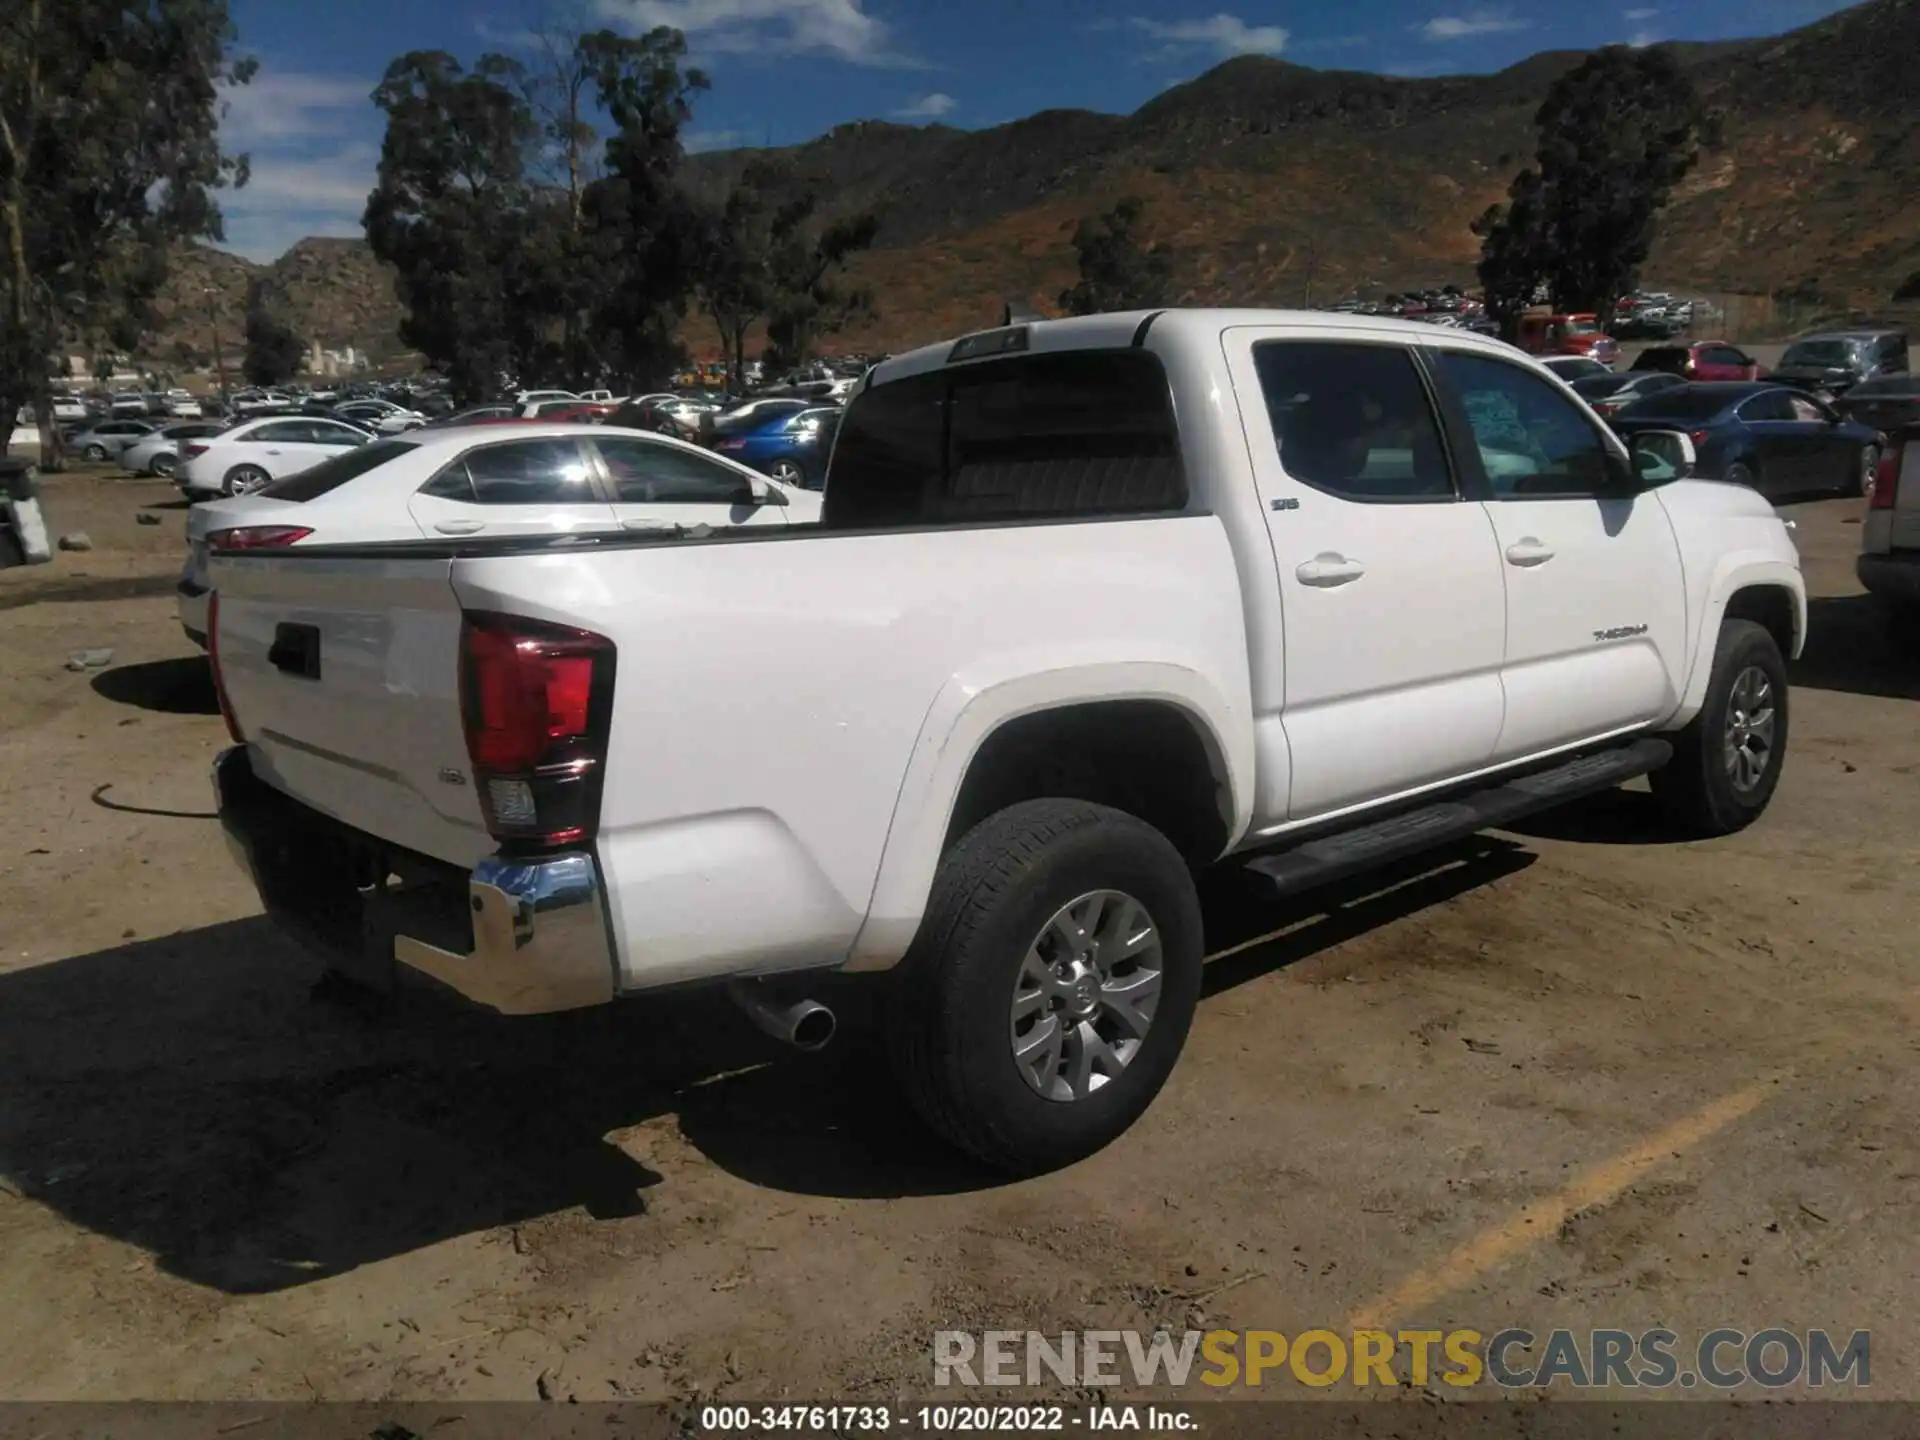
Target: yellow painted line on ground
(1542, 1218)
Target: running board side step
(1351, 851)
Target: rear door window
(1768, 405)
(1353, 420)
(1082, 433)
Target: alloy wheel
(1085, 995)
(1750, 729)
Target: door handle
(459, 527)
(273, 452)
(1327, 570)
(1528, 551)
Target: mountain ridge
(1272, 182)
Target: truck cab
(1543, 333)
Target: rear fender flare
(967, 711)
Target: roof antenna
(1019, 312)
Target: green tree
(109, 152)
(762, 253)
(274, 348)
(1117, 271)
(1616, 134)
(529, 247)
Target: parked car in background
(256, 452)
(1703, 360)
(1575, 367)
(1833, 363)
(69, 410)
(127, 404)
(479, 415)
(792, 449)
(382, 416)
(563, 410)
(1543, 334)
(106, 440)
(1778, 440)
(1612, 392)
(1889, 562)
(1886, 402)
(182, 406)
(158, 451)
(532, 479)
(523, 398)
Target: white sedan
(489, 480)
(257, 452)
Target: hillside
(332, 290)
(1274, 183)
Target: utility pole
(213, 329)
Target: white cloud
(1224, 34)
(1640, 39)
(288, 198)
(695, 141)
(928, 107)
(312, 145)
(839, 28)
(287, 105)
(1641, 14)
(1474, 22)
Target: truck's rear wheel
(1051, 986)
(1727, 761)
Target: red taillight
(1699, 438)
(257, 537)
(1886, 480)
(535, 700)
(192, 449)
(213, 663)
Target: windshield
(1680, 404)
(331, 474)
(1819, 352)
(1582, 325)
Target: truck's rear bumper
(521, 936)
(1895, 576)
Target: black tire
(1742, 473)
(95, 453)
(164, 465)
(1696, 789)
(949, 1023)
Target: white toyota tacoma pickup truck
(1092, 603)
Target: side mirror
(1661, 457)
(759, 492)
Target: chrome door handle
(1327, 570)
(459, 527)
(1528, 551)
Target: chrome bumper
(537, 938)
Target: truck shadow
(188, 1095)
(1853, 646)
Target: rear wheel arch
(1151, 759)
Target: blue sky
(786, 70)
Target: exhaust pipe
(806, 1025)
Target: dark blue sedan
(1779, 441)
(790, 447)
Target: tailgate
(343, 675)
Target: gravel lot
(1572, 1076)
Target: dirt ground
(1573, 1076)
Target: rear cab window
(1080, 433)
